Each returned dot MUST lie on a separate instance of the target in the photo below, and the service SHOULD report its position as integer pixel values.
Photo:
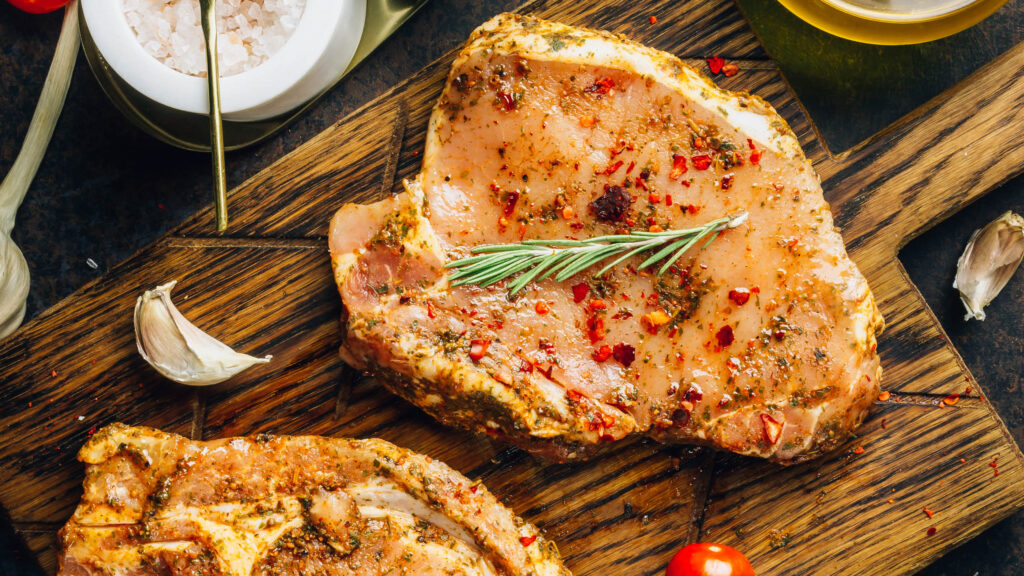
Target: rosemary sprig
(539, 259)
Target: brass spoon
(208, 15)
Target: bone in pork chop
(762, 343)
(160, 504)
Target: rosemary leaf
(563, 258)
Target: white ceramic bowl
(315, 55)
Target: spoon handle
(208, 15)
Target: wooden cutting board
(265, 287)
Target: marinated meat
(762, 342)
(158, 503)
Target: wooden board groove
(265, 287)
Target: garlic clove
(989, 261)
(177, 349)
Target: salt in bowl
(315, 55)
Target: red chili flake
(546, 371)
(739, 295)
(541, 307)
(678, 166)
(625, 354)
(652, 19)
(715, 64)
(640, 183)
(477, 349)
(951, 399)
(755, 154)
(508, 103)
(510, 202)
(595, 329)
(653, 198)
(932, 531)
(598, 305)
(526, 366)
(53, 374)
(579, 292)
(730, 69)
(690, 208)
(727, 181)
(602, 86)
(603, 353)
(527, 540)
(693, 394)
(928, 512)
(612, 168)
(884, 396)
(668, 199)
(858, 450)
(701, 162)
(725, 336)
(772, 429)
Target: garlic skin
(989, 261)
(177, 349)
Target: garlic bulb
(992, 256)
(177, 349)
(14, 283)
(14, 273)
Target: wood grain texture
(267, 288)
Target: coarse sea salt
(248, 32)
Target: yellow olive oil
(892, 21)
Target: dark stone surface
(105, 190)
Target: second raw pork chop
(762, 343)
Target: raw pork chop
(158, 503)
(763, 343)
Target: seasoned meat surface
(158, 503)
(762, 342)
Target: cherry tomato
(705, 559)
(38, 6)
